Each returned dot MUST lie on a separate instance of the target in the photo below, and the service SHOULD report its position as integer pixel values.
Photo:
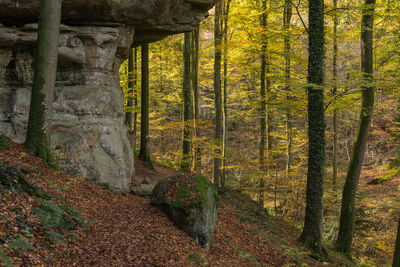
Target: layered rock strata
(88, 137)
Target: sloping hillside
(107, 228)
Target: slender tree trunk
(396, 255)
(263, 102)
(218, 93)
(135, 97)
(225, 100)
(287, 16)
(195, 87)
(335, 77)
(311, 235)
(185, 162)
(347, 213)
(39, 123)
(144, 154)
(130, 103)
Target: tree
(39, 122)
(287, 17)
(396, 255)
(347, 212)
(185, 162)
(218, 93)
(334, 91)
(225, 27)
(196, 97)
(131, 113)
(311, 235)
(263, 100)
(144, 153)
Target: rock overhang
(152, 19)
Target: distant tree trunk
(345, 237)
(129, 114)
(135, 97)
(218, 93)
(263, 101)
(185, 162)
(196, 98)
(396, 255)
(334, 91)
(311, 235)
(39, 123)
(225, 100)
(287, 17)
(144, 154)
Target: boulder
(191, 202)
(143, 190)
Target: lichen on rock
(191, 202)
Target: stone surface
(143, 190)
(191, 202)
(153, 19)
(88, 137)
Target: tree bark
(144, 153)
(225, 92)
(263, 101)
(185, 161)
(218, 93)
(287, 17)
(396, 255)
(346, 228)
(39, 122)
(129, 114)
(196, 97)
(135, 80)
(311, 235)
(334, 91)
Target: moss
(4, 142)
(191, 191)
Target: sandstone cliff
(88, 136)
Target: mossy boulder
(191, 202)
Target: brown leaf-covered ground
(125, 230)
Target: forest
(266, 131)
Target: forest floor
(115, 229)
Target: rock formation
(88, 136)
(191, 202)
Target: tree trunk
(225, 100)
(196, 99)
(396, 255)
(287, 16)
(218, 93)
(129, 114)
(144, 154)
(135, 79)
(39, 123)
(185, 162)
(263, 102)
(335, 77)
(311, 235)
(345, 237)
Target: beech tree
(196, 96)
(144, 153)
(185, 161)
(347, 213)
(218, 93)
(311, 235)
(39, 122)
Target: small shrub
(4, 142)
(57, 219)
